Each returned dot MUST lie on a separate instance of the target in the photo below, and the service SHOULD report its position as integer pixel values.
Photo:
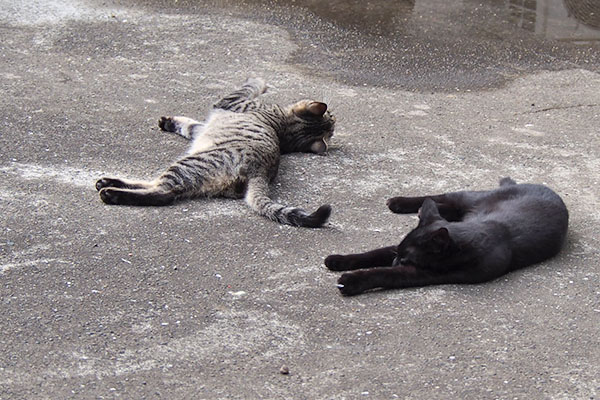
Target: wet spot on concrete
(434, 45)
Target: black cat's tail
(508, 181)
(257, 197)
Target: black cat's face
(309, 129)
(424, 248)
(429, 244)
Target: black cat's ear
(441, 237)
(438, 241)
(316, 108)
(428, 213)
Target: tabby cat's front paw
(351, 283)
(335, 262)
(258, 83)
(398, 205)
(109, 182)
(167, 124)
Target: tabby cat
(462, 237)
(235, 153)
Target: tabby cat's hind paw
(109, 182)
(167, 124)
(109, 196)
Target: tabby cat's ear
(316, 108)
(311, 109)
(428, 213)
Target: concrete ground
(206, 300)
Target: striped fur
(234, 153)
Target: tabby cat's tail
(257, 197)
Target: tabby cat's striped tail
(257, 197)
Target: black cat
(462, 237)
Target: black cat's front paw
(167, 124)
(110, 195)
(399, 205)
(109, 182)
(351, 284)
(336, 262)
